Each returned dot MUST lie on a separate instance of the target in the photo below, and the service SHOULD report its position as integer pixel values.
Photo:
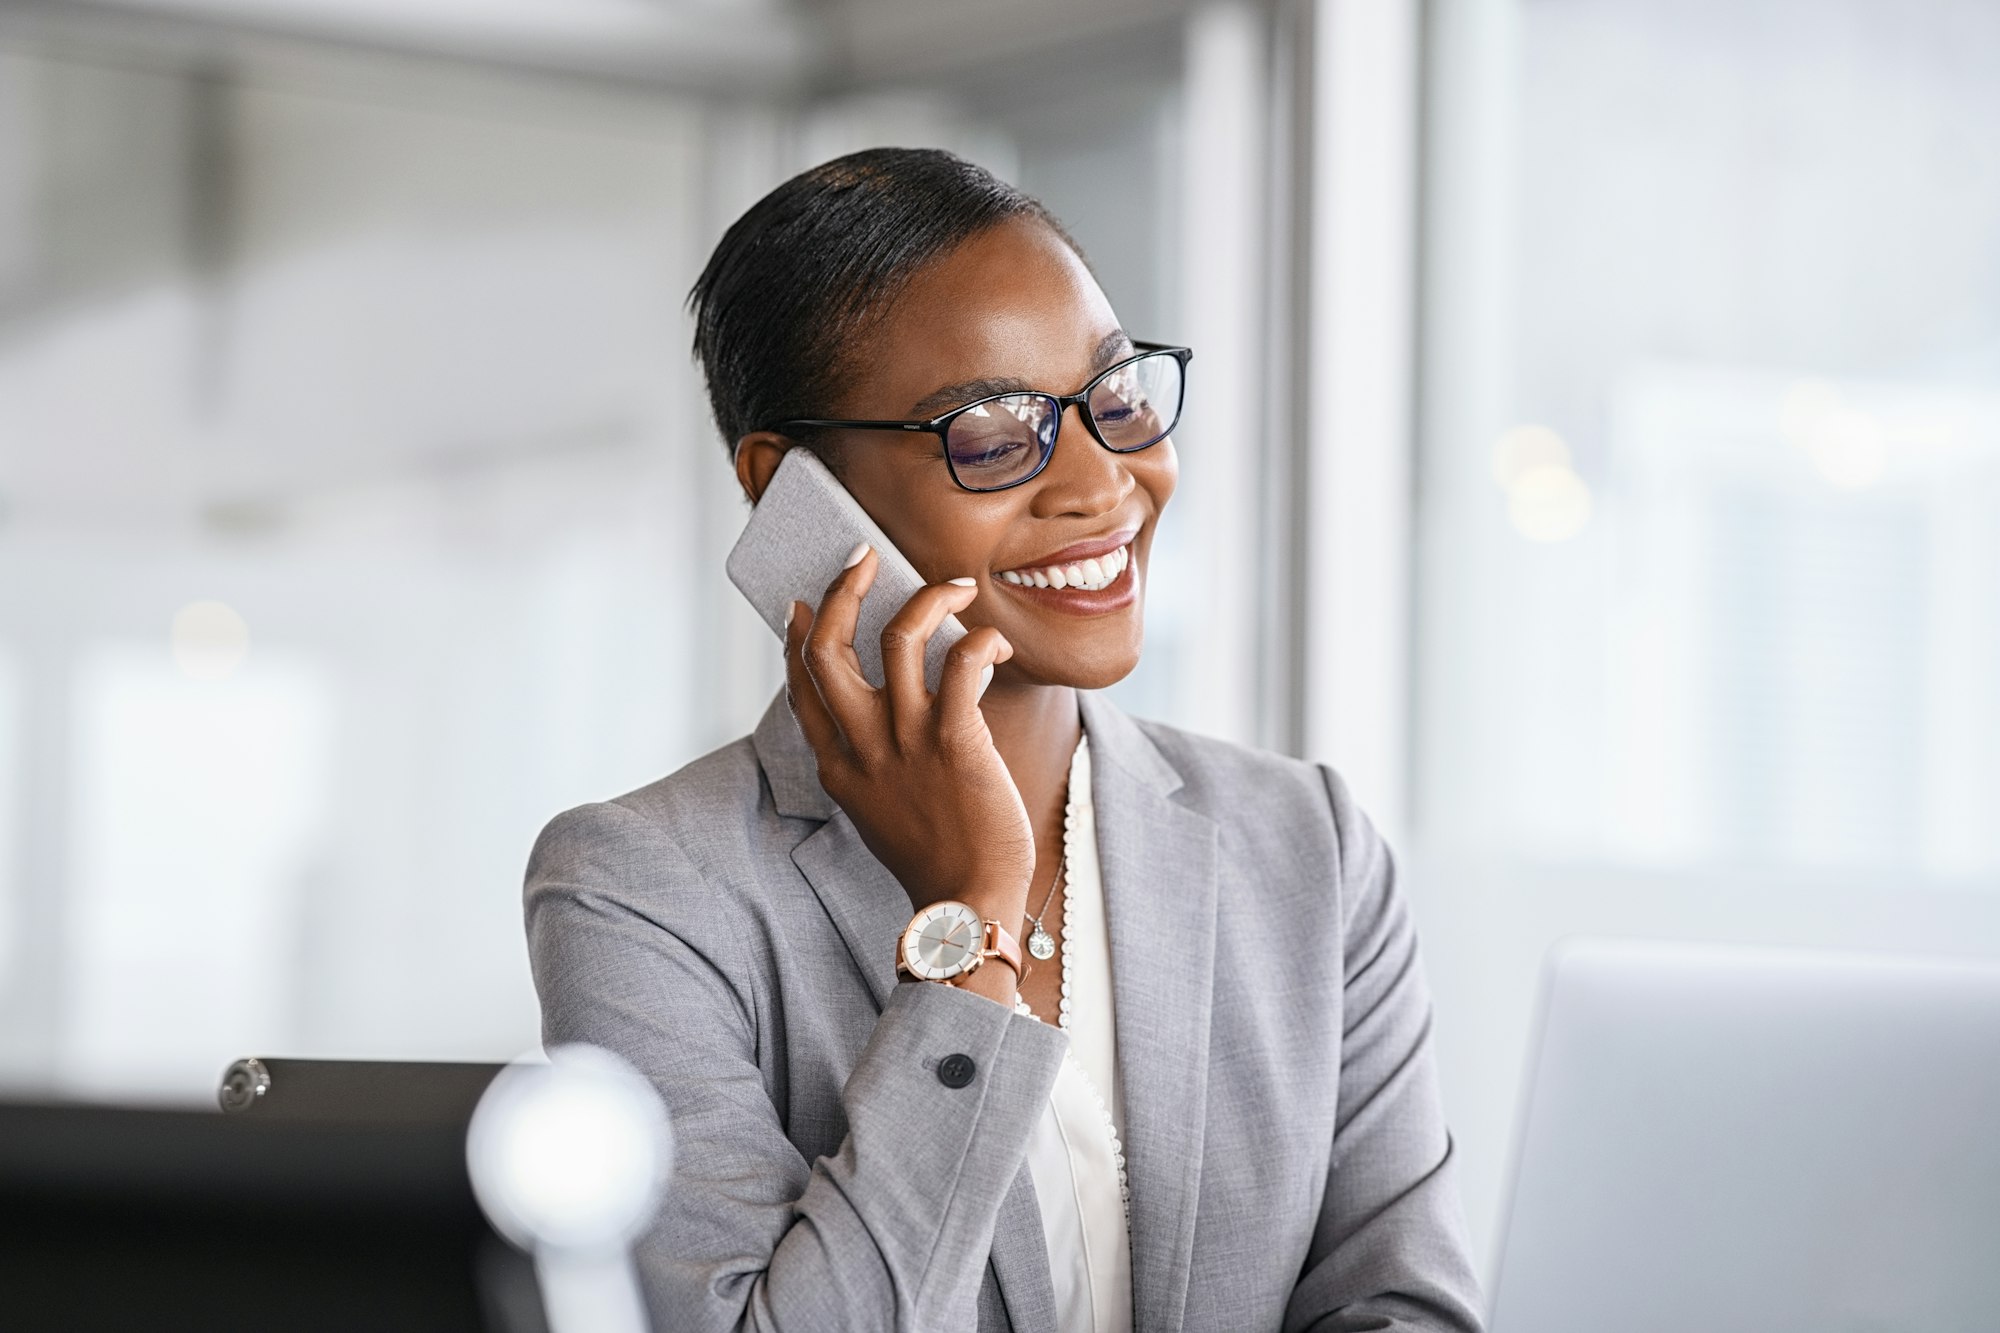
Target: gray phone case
(795, 542)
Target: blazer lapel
(1159, 870)
(789, 767)
(867, 905)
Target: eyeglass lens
(1137, 404)
(1001, 441)
(1005, 440)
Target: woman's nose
(1083, 477)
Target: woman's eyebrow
(965, 391)
(1111, 347)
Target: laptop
(1757, 1141)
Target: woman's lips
(1089, 575)
(1087, 587)
(1077, 552)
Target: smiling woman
(1232, 1120)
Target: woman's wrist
(992, 979)
(1005, 901)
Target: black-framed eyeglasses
(1008, 438)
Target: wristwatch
(947, 942)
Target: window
(1708, 597)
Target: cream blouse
(1074, 1156)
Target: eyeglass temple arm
(858, 425)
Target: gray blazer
(726, 930)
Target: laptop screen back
(1744, 1140)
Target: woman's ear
(757, 458)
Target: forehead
(1013, 302)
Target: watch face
(943, 941)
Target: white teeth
(1091, 575)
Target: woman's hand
(916, 772)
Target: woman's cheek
(1164, 476)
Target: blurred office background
(1595, 453)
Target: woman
(1200, 1095)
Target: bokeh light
(209, 640)
(1525, 448)
(1549, 503)
(1546, 500)
(571, 1154)
(1847, 447)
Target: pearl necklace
(1063, 1015)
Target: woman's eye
(986, 452)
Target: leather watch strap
(1001, 944)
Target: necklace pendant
(1042, 944)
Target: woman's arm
(895, 1228)
(1390, 1251)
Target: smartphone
(799, 536)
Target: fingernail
(964, 583)
(985, 679)
(791, 610)
(854, 556)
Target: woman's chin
(1096, 668)
(1104, 675)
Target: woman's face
(1011, 309)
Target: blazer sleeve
(895, 1228)
(1389, 1251)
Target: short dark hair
(813, 261)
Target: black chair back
(338, 1199)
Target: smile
(1092, 575)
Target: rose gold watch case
(993, 940)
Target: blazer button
(955, 1071)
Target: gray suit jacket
(726, 930)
